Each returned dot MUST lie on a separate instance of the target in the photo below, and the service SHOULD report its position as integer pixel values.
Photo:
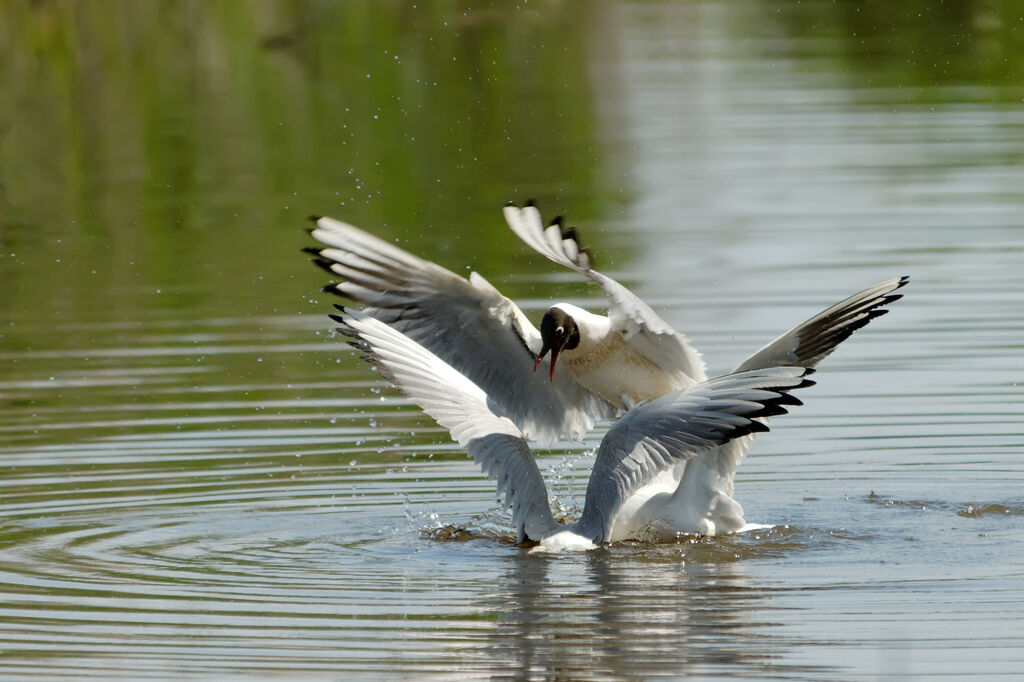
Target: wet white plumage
(623, 359)
(646, 441)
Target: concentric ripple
(199, 482)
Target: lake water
(201, 482)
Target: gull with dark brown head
(597, 366)
(673, 428)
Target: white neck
(593, 328)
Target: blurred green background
(199, 479)
(158, 160)
(175, 148)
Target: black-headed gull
(649, 439)
(465, 322)
(613, 362)
(632, 355)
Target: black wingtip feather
(324, 264)
(530, 202)
(312, 250)
(772, 409)
(367, 354)
(333, 289)
(557, 221)
(587, 257)
(787, 399)
(312, 217)
(757, 427)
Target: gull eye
(560, 330)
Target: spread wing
(677, 427)
(639, 325)
(460, 406)
(809, 343)
(466, 323)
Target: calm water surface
(201, 482)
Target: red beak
(554, 356)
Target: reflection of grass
(918, 45)
(177, 146)
(158, 159)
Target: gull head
(558, 331)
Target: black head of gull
(557, 331)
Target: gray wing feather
(640, 326)
(460, 406)
(677, 427)
(467, 323)
(507, 459)
(809, 343)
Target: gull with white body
(673, 428)
(611, 363)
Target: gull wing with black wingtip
(638, 324)
(467, 323)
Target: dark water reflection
(627, 616)
(199, 483)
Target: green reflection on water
(919, 45)
(158, 387)
(180, 145)
(158, 160)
